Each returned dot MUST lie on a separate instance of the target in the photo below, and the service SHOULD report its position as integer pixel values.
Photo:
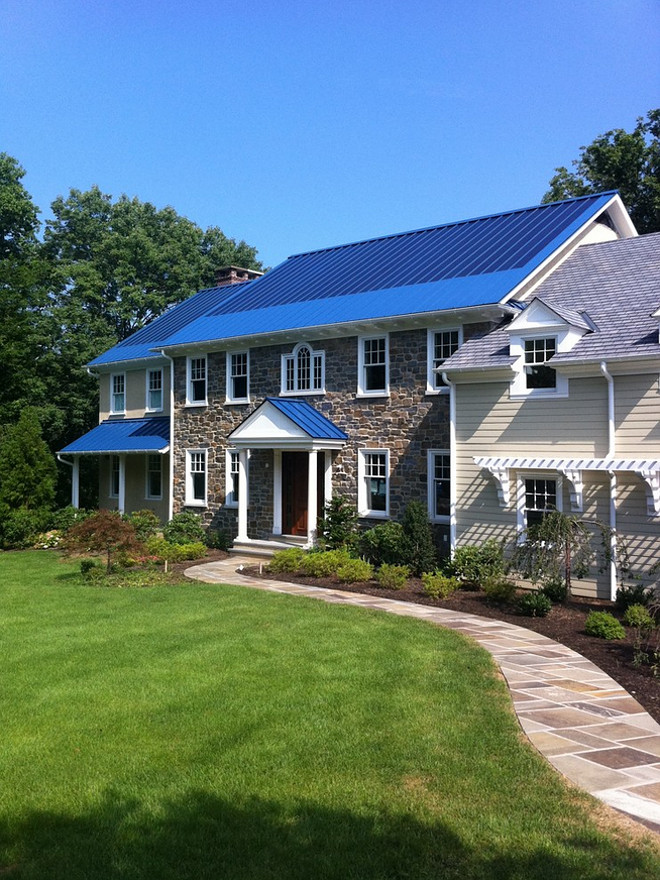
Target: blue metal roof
(456, 265)
(307, 418)
(124, 435)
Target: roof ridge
(451, 223)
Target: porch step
(266, 549)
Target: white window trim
(113, 411)
(229, 483)
(147, 470)
(363, 508)
(521, 519)
(564, 341)
(442, 518)
(229, 397)
(190, 501)
(189, 400)
(430, 356)
(361, 392)
(148, 390)
(113, 459)
(293, 356)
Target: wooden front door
(295, 471)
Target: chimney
(234, 275)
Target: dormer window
(303, 371)
(537, 354)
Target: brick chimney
(234, 275)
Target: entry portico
(302, 441)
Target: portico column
(75, 482)
(312, 496)
(121, 501)
(242, 495)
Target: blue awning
(123, 435)
(309, 419)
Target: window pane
(445, 343)
(374, 378)
(537, 353)
(377, 494)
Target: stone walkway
(579, 718)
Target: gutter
(452, 462)
(611, 452)
(170, 482)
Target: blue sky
(299, 125)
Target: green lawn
(200, 731)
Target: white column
(242, 495)
(328, 476)
(613, 537)
(75, 482)
(277, 491)
(121, 501)
(312, 495)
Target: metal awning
(284, 423)
(647, 470)
(123, 436)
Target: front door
(295, 474)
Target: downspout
(611, 452)
(75, 478)
(170, 491)
(452, 462)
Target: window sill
(195, 504)
(371, 394)
(153, 497)
(239, 401)
(147, 410)
(196, 403)
(539, 394)
(439, 520)
(437, 392)
(318, 393)
(373, 514)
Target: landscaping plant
(392, 577)
(473, 565)
(418, 549)
(184, 528)
(603, 625)
(338, 527)
(383, 544)
(438, 585)
(534, 604)
(103, 532)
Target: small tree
(338, 527)
(103, 532)
(557, 548)
(419, 552)
(27, 468)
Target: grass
(197, 731)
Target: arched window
(303, 371)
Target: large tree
(618, 159)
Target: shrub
(355, 571)
(103, 532)
(638, 616)
(48, 540)
(393, 577)
(555, 590)
(418, 550)
(65, 517)
(474, 565)
(338, 527)
(20, 528)
(499, 589)
(217, 539)
(534, 604)
(603, 625)
(383, 544)
(145, 523)
(290, 559)
(324, 564)
(637, 594)
(163, 550)
(92, 571)
(184, 528)
(439, 585)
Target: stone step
(266, 549)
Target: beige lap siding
(637, 408)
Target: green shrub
(66, 517)
(184, 528)
(603, 625)
(418, 549)
(92, 570)
(325, 563)
(393, 577)
(355, 571)
(383, 544)
(473, 565)
(637, 594)
(162, 549)
(338, 527)
(499, 589)
(20, 528)
(217, 539)
(638, 616)
(290, 560)
(534, 604)
(145, 522)
(555, 590)
(438, 585)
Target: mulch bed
(565, 624)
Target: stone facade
(408, 422)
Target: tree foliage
(103, 532)
(27, 468)
(618, 159)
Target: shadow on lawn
(205, 837)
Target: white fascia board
(621, 365)
(163, 451)
(157, 360)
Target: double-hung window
(374, 482)
(196, 393)
(232, 465)
(439, 471)
(303, 371)
(373, 366)
(238, 384)
(196, 478)
(441, 345)
(540, 498)
(154, 477)
(537, 354)
(155, 390)
(118, 393)
(114, 476)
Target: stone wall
(408, 422)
